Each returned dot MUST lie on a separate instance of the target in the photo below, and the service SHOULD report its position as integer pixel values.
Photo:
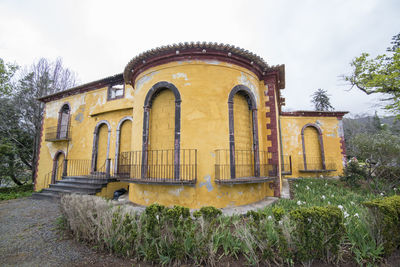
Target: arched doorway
(313, 152)
(123, 144)
(161, 132)
(58, 166)
(63, 122)
(243, 133)
(101, 146)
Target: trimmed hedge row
(386, 221)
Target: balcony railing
(245, 168)
(158, 166)
(286, 165)
(316, 164)
(57, 133)
(83, 168)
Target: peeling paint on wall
(243, 79)
(176, 192)
(212, 62)
(207, 183)
(143, 80)
(180, 75)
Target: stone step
(77, 184)
(88, 179)
(45, 195)
(72, 191)
(76, 189)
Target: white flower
(345, 214)
(309, 220)
(307, 187)
(280, 222)
(381, 194)
(310, 182)
(352, 203)
(333, 195)
(297, 185)
(269, 217)
(340, 207)
(329, 202)
(299, 202)
(326, 184)
(395, 189)
(157, 217)
(323, 197)
(356, 215)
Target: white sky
(316, 40)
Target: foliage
(7, 193)
(7, 71)
(386, 214)
(325, 220)
(379, 75)
(21, 114)
(354, 173)
(320, 99)
(318, 232)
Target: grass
(7, 193)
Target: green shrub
(7, 193)
(353, 173)
(386, 220)
(317, 233)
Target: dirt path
(29, 237)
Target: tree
(7, 71)
(320, 99)
(42, 78)
(379, 75)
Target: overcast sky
(316, 40)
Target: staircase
(73, 185)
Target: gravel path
(29, 237)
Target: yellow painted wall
(108, 191)
(87, 109)
(126, 136)
(204, 87)
(292, 143)
(102, 143)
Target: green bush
(353, 173)
(7, 193)
(317, 233)
(386, 217)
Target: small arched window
(313, 148)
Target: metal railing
(316, 164)
(83, 167)
(58, 174)
(244, 166)
(286, 164)
(158, 166)
(56, 133)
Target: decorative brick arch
(321, 144)
(54, 171)
(96, 140)
(253, 107)
(148, 102)
(118, 139)
(65, 106)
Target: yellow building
(192, 124)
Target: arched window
(313, 147)
(243, 133)
(161, 131)
(63, 122)
(101, 145)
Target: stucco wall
(204, 87)
(291, 127)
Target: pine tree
(320, 99)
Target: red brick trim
(38, 151)
(305, 113)
(271, 82)
(84, 88)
